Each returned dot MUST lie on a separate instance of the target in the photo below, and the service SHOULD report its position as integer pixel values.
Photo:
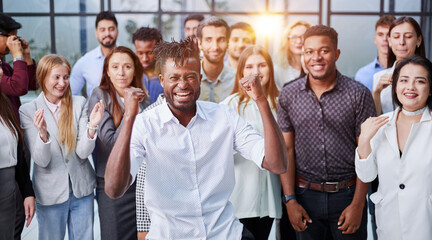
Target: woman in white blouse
(12, 167)
(61, 136)
(256, 195)
(398, 148)
(405, 40)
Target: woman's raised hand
(39, 122)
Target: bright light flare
(267, 25)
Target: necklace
(414, 113)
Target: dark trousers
(20, 214)
(325, 209)
(259, 227)
(7, 202)
(117, 216)
(373, 188)
(247, 235)
(286, 231)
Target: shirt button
(401, 186)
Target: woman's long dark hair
(107, 86)
(8, 117)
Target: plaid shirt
(326, 129)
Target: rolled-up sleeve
(137, 150)
(366, 169)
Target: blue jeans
(76, 213)
(325, 209)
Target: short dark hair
(198, 17)
(213, 21)
(322, 30)
(106, 15)
(245, 27)
(384, 21)
(179, 51)
(147, 34)
(7, 24)
(416, 60)
(420, 50)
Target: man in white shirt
(188, 149)
(88, 69)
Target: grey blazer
(107, 132)
(53, 166)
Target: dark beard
(109, 45)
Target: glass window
(240, 6)
(172, 27)
(26, 6)
(73, 6)
(36, 30)
(74, 35)
(181, 6)
(356, 42)
(134, 5)
(129, 23)
(294, 5)
(408, 6)
(355, 5)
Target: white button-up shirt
(190, 170)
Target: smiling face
(404, 40)
(121, 71)
(320, 56)
(214, 43)
(56, 83)
(238, 42)
(257, 65)
(295, 39)
(106, 33)
(181, 85)
(190, 28)
(413, 87)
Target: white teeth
(410, 94)
(182, 94)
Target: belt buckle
(333, 183)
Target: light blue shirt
(366, 73)
(88, 69)
(153, 86)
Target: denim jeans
(325, 209)
(76, 213)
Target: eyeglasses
(295, 37)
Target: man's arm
(296, 213)
(275, 159)
(117, 173)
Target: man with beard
(242, 36)
(188, 146)
(88, 69)
(191, 24)
(217, 79)
(321, 113)
(145, 40)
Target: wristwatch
(286, 198)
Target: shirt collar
(167, 115)
(221, 77)
(377, 63)
(51, 106)
(305, 85)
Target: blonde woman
(61, 136)
(288, 58)
(256, 195)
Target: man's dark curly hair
(322, 30)
(147, 34)
(179, 51)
